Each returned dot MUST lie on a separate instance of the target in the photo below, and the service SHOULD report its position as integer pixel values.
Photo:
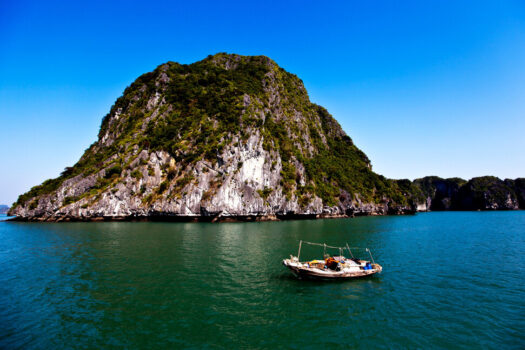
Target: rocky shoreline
(182, 218)
(220, 219)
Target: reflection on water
(184, 284)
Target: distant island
(3, 209)
(236, 138)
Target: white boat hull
(302, 270)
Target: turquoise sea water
(450, 280)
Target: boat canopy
(341, 249)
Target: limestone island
(236, 138)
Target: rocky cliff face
(440, 194)
(227, 137)
(519, 187)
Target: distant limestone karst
(236, 137)
(479, 193)
(3, 209)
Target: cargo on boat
(332, 267)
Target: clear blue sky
(422, 87)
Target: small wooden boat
(332, 267)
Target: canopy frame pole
(369, 252)
(324, 250)
(347, 247)
(299, 252)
